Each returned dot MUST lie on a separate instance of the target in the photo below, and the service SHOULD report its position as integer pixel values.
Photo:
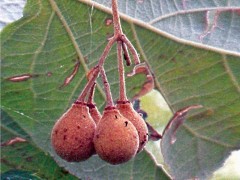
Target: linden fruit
(116, 139)
(126, 109)
(72, 135)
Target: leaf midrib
(157, 84)
(144, 25)
(231, 75)
(133, 22)
(155, 20)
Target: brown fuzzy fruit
(72, 135)
(95, 114)
(126, 109)
(116, 139)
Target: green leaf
(44, 45)
(25, 156)
(18, 175)
(36, 103)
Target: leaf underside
(52, 35)
(215, 23)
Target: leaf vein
(25, 22)
(230, 73)
(156, 20)
(219, 143)
(215, 122)
(38, 51)
(71, 36)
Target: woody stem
(116, 19)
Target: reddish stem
(131, 49)
(96, 71)
(116, 19)
(106, 88)
(122, 88)
(118, 35)
(126, 54)
(91, 94)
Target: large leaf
(36, 115)
(17, 156)
(215, 23)
(26, 156)
(18, 175)
(45, 44)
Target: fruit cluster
(116, 136)
(120, 132)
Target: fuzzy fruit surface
(72, 135)
(126, 109)
(116, 139)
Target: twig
(116, 19)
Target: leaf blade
(37, 103)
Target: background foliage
(46, 43)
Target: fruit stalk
(97, 70)
(106, 88)
(126, 54)
(131, 49)
(118, 35)
(91, 94)
(93, 110)
(122, 88)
